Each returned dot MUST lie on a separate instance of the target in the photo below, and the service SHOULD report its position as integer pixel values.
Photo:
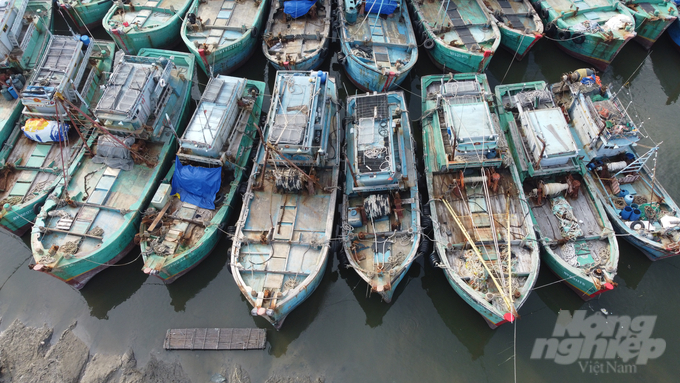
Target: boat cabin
(214, 133)
(60, 71)
(600, 120)
(468, 132)
(296, 126)
(135, 94)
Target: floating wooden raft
(215, 339)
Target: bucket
(623, 193)
(634, 206)
(5, 94)
(629, 199)
(635, 214)
(13, 92)
(491, 154)
(625, 213)
(85, 39)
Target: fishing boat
(179, 232)
(458, 35)
(223, 34)
(85, 15)
(381, 226)
(519, 24)
(282, 238)
(40, 153)
(674, 29)
(592, 30)
(652, 18)
(91, 221)
(138, 24)
(378, 45)
(638, 206)
(24, 32)
(297, 34)
(485, 246)
(578, 242)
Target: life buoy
(637, 225)
(428, 44)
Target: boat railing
(18, 21)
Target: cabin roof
(293, 110)
(550, 125)
(217, 101)
(127, 83)
(61, 53)
(471, 122)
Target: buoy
(629, 199)
(608, 286)
(509, 317)
(85, 39)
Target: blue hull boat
(282, 238)
(378, 44)
(381, 225)
(636, 203)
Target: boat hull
(87, 17)
(650, 28)
(20, 218)
(369, 80)
(517, 43)
(226, 59)
(130, 41)
(309, 63)
(595, 50)
(674, 33)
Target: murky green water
(427, 333)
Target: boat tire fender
(545, 13)
(219, 198)
(434, 259)
(563, 35)
(37, 207)
(579, 38)
(253, 32)
(428, 44)
(341, 58)
(551, 29)
(637, 225)
(229, 260)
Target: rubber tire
(579, 38)
(545, 13)
(633, 226)
(253, 32)
(428, 44)
(341, 58)
(551, 29)
(37, 207)
(563, 35)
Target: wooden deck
(215, 339)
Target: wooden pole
(479, 255)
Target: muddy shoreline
(30, 354)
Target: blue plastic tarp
(383, 7)
(196, 185)
(299, 8)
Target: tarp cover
(113, 154)
(296, 9)
(41, 130)
(383, 7)
(196, 185)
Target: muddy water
(427, 333)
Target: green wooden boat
(518, 23)
(459, 35)
(92, 221)
(652, 18)
(86, 15)
(191, 225)
(590, 30)
(145, 24)
(30, 168)
(488, 251)
(223, 34)
(20, 47)
(577, 239)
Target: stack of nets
(564, 213)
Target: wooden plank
(215, 339)
(159, 216)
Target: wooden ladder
(285, 228)
(179, 228)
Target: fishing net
(564, 213)
(69, 247)
(97, 231)
(568, 254)
(10, 200)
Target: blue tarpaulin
(296, 9)
(196, 185)
(383, 7)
